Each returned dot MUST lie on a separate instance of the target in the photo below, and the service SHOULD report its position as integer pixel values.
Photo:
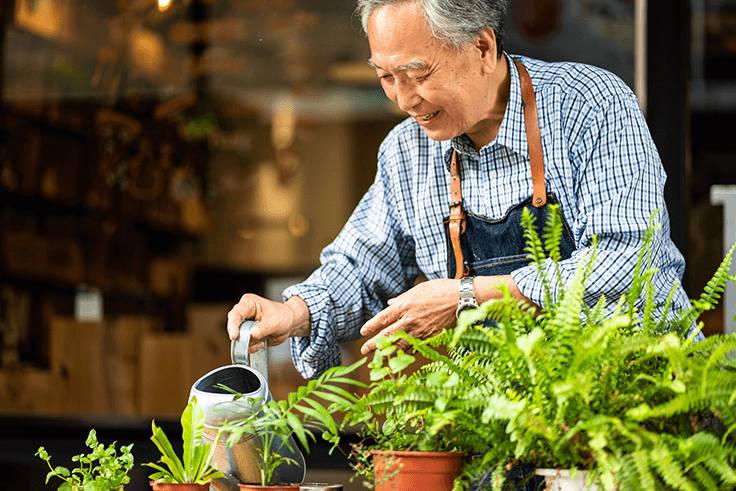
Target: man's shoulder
(573, 79)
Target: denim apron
(491, 247)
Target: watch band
(467, 295)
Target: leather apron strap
(533, 136)
(536, 161)
(456, 222)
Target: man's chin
(438, 136)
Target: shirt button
(492, 174)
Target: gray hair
(454, 22)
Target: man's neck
(488, 129)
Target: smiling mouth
(429, 116)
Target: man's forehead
(412, 65)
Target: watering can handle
(239, 350)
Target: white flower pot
(560, 480)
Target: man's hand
(424, 311)
(276, 321)
(429, 308)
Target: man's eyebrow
(412, 65)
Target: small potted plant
(103, 469)
(422, 424)
(194, 470)
(268, 425)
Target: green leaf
(192, 424)
(384, 345)
(91, 439)
(441, 403)
(197, 464)
(527, 342)
(640, 412)
(379, 373)
(400, 361)
(168, 455)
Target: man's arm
(616, 183)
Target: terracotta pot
(275, 487)
(407, 470)
(175, 486)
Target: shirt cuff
(314, 354)
(530, 284)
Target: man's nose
(406, 96)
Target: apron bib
(479, 246)
(496, 247)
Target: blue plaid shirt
(600, 162)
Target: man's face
(447, 92)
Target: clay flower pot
(400, 470)
(274, 487)
(173, 486)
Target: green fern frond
(663, 321)
(638, 282)
(722, 469)
(431, 354)
(711, 293)
(535, 252)
(595, 315)
(670, 469)
(647, 480)
(704, 478)
(553, 233)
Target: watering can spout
(248, 375)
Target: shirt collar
(512, 133)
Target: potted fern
(419, 425)
(102, 469)
(632, 401)
(194, 470)
(265, 429)
(615, 399)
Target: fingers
(382, 320)
(246, 308)
(370, 345)
(255, 348)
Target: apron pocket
(498, 265)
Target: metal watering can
(247, 375)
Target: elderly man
(488, 135)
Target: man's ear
(486, 44)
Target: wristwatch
(467, 295)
